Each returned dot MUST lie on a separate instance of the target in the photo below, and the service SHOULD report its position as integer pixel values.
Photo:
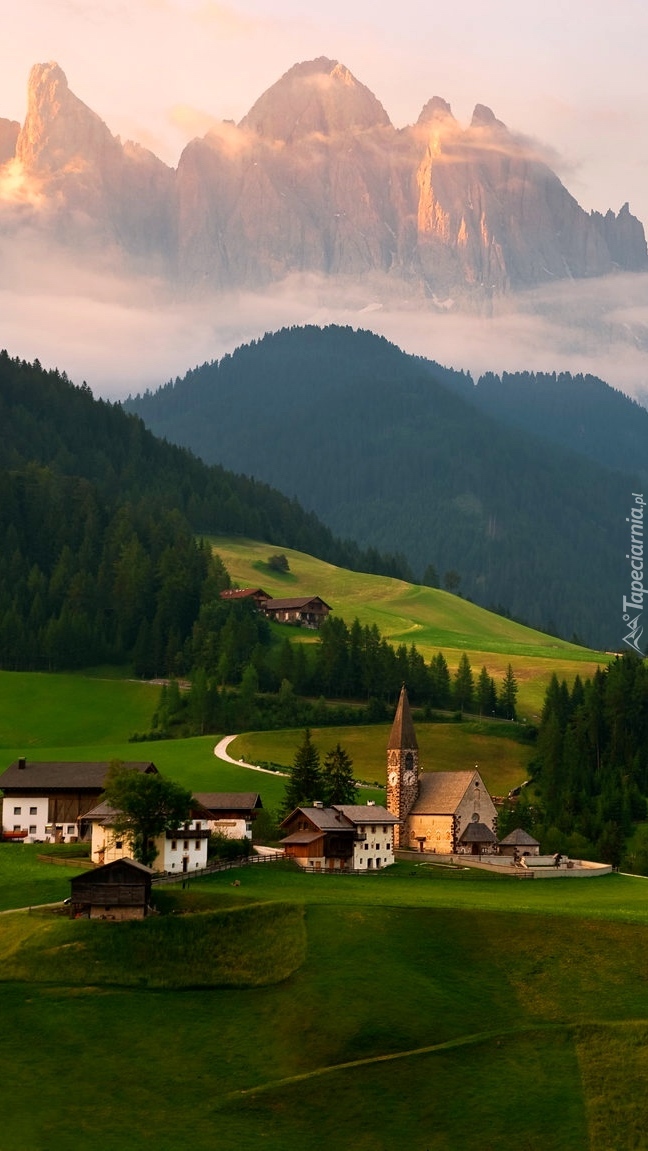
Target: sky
(161, 71)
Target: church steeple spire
(402, 767)
(403, 736)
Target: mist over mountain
(394, 451)
(314, 179)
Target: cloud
(124, 334)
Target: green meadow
(415, 1008)
(432, 619)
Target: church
(446, 812)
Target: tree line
(589, 784)
(243, 678)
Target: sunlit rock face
(315, 179)
(94, 188)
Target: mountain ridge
(316, 179)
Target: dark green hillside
(48, 421)
(580, 413)
(98, 556)
(384, 447)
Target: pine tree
(463, 687)
(306, 783)
(339, 782)
(508, 694)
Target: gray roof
(366, 813)
(519, 838)
(229, 800)
(61, 775)
(304, 837)
(441, 792)
(102, 813)
(478, 833)
(326, 818)
(294, 603)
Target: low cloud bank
(122, 334)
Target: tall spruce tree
(306, 784)
(339, 782)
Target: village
(447, 818)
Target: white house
(183, 850)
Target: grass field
(502, 762)
(432, 619)
(415, 1008)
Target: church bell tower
(402, 768)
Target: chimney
(371, 803)
(318, 803)
(22, 763)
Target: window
(186, 844)
(71, 829)
(32, 829)
(174, 846)
(17, 827)
(17, 810)
(197, 845)
(33, 811)
(119, 844)
(373, 830)
(366, 846)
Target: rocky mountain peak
(315, 97)
(484, 117)
(436, 110)
(59, 128)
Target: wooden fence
(213, 868)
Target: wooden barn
(118, 890)
(303, 611)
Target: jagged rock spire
(402, 735)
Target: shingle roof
(477, 833)
(229, 800)
(304, 837)
(325, 818)
(62, 775)
(365, 813)
(244, 593)
(287, 604)
(102, 813)
(441, 792)
(519, 838)
(402, 735)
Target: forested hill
(581, 413)
(386, 449)
(99, 560)
(49, 422)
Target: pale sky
(574, 76)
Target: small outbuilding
(477, 839)
(519, 842)
(118, 890)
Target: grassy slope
(427, 1010)
(432, 619)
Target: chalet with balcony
(304, 611)
(343, 837)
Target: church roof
(477, 833)
(403, 736)
(441, 792)
(519, 838)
